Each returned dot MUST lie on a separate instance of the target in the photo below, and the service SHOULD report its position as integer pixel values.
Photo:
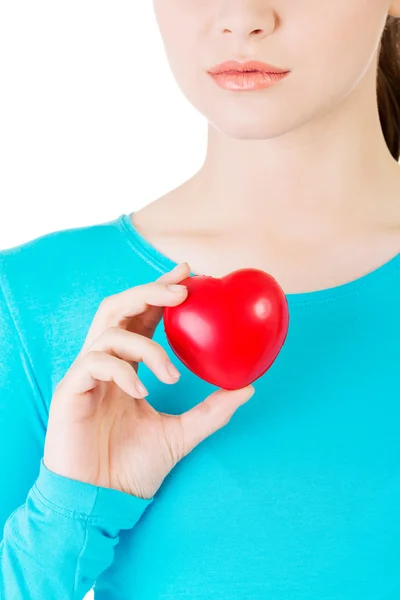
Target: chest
(298, 497)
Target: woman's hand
(101, 430)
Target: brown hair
(388, 85)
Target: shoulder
(52, 287)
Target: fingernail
(176, 288)
(141, 389)
(172, 370)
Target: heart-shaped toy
(229, 330)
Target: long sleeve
(59, 534)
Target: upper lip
(251, 65)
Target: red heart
(229, 330)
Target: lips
(246, 80)
(234, 66)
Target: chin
(247, 129)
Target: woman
(175, 495)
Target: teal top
(296, 498)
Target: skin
(297, 178)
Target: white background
(92, 122)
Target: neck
(332, 174)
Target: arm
(59, 534)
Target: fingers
(210, 415)
(153, 315)
(96, 366)
(116, 310)
(133, 347)
(176, 274)
(136, 300)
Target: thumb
(212, 414)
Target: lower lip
(247, 80)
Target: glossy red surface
(229, 330)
